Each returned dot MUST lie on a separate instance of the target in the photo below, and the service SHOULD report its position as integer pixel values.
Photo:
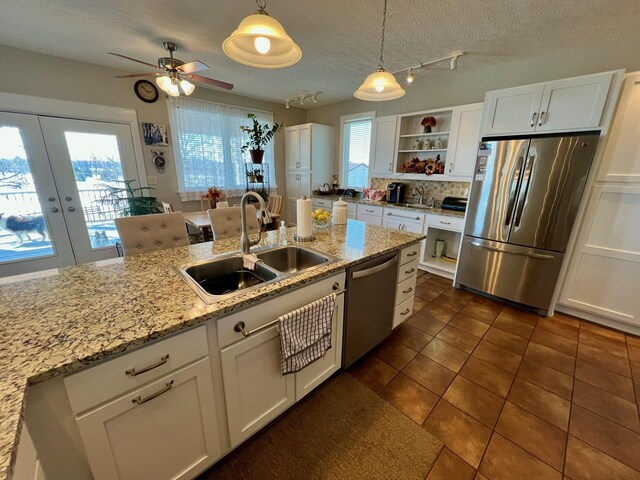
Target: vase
(427, 129)
(256, 155)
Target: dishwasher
(371, 291)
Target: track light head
(454, 63)
(301, 100)
(314, 97)
(287, 105)
(410, 76)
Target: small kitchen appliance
(395, 192)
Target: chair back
(167, 207)
(275, 204)
(227, 223)
(146, 233)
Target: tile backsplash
(436, 189)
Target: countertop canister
(339, 214)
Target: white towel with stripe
(305, 334)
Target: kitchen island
(58, 322)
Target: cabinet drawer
(370, 210)
(369, 219)
(268, 311)
(405, 289)
(121, 374)
(446, 223)
(402, 312)
(408, 269)
(404, 216)
(321, 203)
(410, 253)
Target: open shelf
(432, 134)
(440, 264)
(419, 151)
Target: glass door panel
(33, 235)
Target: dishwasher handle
(373, 270)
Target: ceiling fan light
(379, 86)
(174, 88)
(247, 43)
(187, 87)
(164, 82)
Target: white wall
(438, 88)
(30, 73)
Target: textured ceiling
(340, 39)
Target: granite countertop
(430, 211)
(58, 321)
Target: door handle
(542, 118)
(54, 210)
(139, 400)
(68, 199)
(412, 254)
(524, 190)
(515, 183)
(52, 199)
(513, 252)
(408, 290)
(533, 119)
(71, 209)
(373, 270)
(405, 312)
(444, 223)
(133, 372)
(390, 166)
(407, 272)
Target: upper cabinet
(464, 140)
(563, 105)
(383, 145)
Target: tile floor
(510, 394)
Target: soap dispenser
(282, 233)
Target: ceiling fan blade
(210, 81)
(133, 59)
(133, 75)
(194, 66)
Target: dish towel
(305, 334)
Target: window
(356, 140)
(207, 140)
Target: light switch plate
(152, 180)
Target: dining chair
(146, 233)
(226, 222)
(167, 207)
(274, 207)
(205, 202)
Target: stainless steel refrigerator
(524, 199)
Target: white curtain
(207, 140)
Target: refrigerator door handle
(540, 256)
(513, 191)
(524, 189)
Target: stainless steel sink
(292, 259)
(225, 276)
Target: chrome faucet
(245, 242)
(419, 191)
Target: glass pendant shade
(379, 86)
(187, 87)
(260, 41)
(164, 82)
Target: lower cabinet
(165, 430)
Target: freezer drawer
(519, 274)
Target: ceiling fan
(173, 75)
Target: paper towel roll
(303, 214)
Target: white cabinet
(403, 220)
(369, 214)
(383, 145)
(308, 160)
(464, 140)
(165, 430)
(27, 465)
(570, 104)
(406, 284)
(448, 229)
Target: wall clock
(146, 91)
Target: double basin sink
(225, 276)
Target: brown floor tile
(508, 324)
(449, 466)
(394, 353)
(566, 319)
(498, 356)
(487, 302)
(419, 304)
(447, 282)
(536, 436)
(480, 476)
(605, 435)
(606, 380)
(436, 285)
(424, 291)
(450, 303)
(429, 374)
(605, 404)
(506, 461)
(468, 324)
(552, 340)
(515, 343)
(421, 279)
(447, 355)
(556, 325)
(635, 371)
(458, 294)
(601, 358)
(458, 338)
(411, 337)
(545, 377)
(463, 434)
(603, 331)
(411, 398)
(551, 358)
(633, 340)
(520, 315)
(486, 375)
(633, 352)
(586, 463)
(614, 347)
(422, 321)
(478, 402)
(373, 372)
(540, 402)
(439, 313)
(480, 312)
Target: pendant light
(260, 41)
(380, 85)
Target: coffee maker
(395, 192)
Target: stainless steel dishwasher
(371, 291)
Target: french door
(53, 174)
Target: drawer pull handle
(445, 223)
(408, 272)
(139, 400)
(133, 372)
(409, 290)
(412, 254)
(405, 312)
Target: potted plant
(427, 123)
(214, 194)
(252, 176)
(125, 202)
(259, 135)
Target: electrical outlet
(152, 180)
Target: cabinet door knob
(54, 210)
(71, 209)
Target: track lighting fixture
(301, 98)
(453, 64)
(286, 104)
(410, 76)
